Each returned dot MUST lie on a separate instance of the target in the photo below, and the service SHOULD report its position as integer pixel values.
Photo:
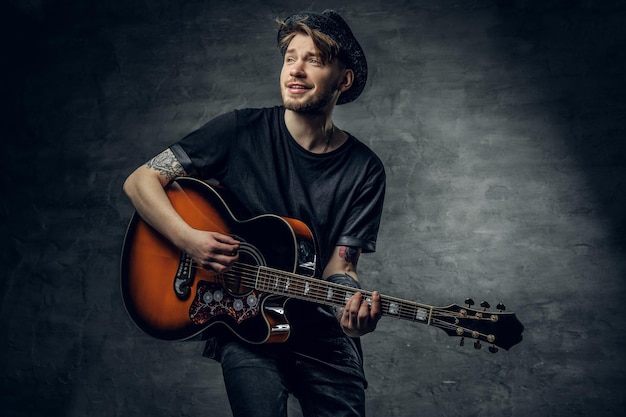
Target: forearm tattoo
(167, 165)
(350, 254)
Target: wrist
(344, 279)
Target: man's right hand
(145, 189)
(212, 250)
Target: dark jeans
(259, 380)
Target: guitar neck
(497, 328)
(335, 295)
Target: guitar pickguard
(213, 300)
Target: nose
(297, 69)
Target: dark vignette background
(500, 123)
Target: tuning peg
(485, 305)
(469, 302)
(477, 344)
(501, 307)
(493, 349)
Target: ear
(345, 82)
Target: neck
(314, 132)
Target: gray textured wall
(501, 125)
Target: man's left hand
(359, 317)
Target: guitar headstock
(497, 328)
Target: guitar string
(319, 291)
(316, 291)
(247, 275)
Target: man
(291, 161)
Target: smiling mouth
(297, 87)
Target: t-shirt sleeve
(203, 153)
(361, 227)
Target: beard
(312, 105)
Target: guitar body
(170, 297)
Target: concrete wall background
(501, 125)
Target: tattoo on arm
(350, 254)
(167, 165)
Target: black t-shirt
(338, 194)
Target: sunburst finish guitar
(170, 297)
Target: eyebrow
(309, 53)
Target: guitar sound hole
(240, 279)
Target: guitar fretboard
(335, 295)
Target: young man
(291, 161)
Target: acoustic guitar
(170, 297)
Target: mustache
(297, 81)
